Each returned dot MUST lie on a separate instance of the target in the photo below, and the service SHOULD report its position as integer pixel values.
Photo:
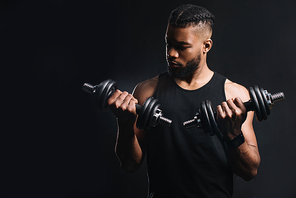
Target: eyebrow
(179, 42)
(183, 43)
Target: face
(183, 50)
(180, 71)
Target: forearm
(236, 125)
(128, 149)
(244, 160)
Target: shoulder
(145, 89)
(233, 90)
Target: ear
(207, 45)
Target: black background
(53, 141)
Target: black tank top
(187, 162)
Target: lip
(174, 64)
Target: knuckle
(229, 100)
(222, 116)
(235, 111)
(130, 95)
(123, 107)
(117, 92)
(125, 93)
(130, 108)
(219, 110)
(224, 103)
(136, 100)
(241, 113)
(117, 103)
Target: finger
(136, 101)
(126, 101)
(120, 99)
(231, 104)
(238, 102)
(113, 97)
(220, 112)
(236, 110)
(132, 105)
(237, 106)
(226, 109)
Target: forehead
(180, 34)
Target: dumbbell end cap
(278, 97)
(190, 123)
(88, 87)
(165, 121)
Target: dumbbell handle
(197, 122)
(158, 118)
(138, 108)
(271, 98)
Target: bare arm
(130, 143)
(233, 120)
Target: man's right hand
(122, 104)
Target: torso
(183, 158)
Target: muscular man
(188, 162)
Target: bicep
(234, 90)
(247, 127)
(142, 92)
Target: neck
(201, 76)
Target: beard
(186, 71)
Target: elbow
(130, 168)
(246, 175)
(250, 175)
(128, 165)
(129, 162)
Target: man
(188, 162)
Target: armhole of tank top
(159, 82)
(224, 84)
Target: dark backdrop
(55, 144)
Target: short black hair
(191, 15)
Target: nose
(172, 53)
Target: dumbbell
(261, 102)
(148, 115)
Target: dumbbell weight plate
(205, 119)
(104, 90)
(152, 111)
(260, 103)
(146, 113)
(255, 104)
(265, 100)
(214, 127)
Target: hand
(230, 117)
(122, 104)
